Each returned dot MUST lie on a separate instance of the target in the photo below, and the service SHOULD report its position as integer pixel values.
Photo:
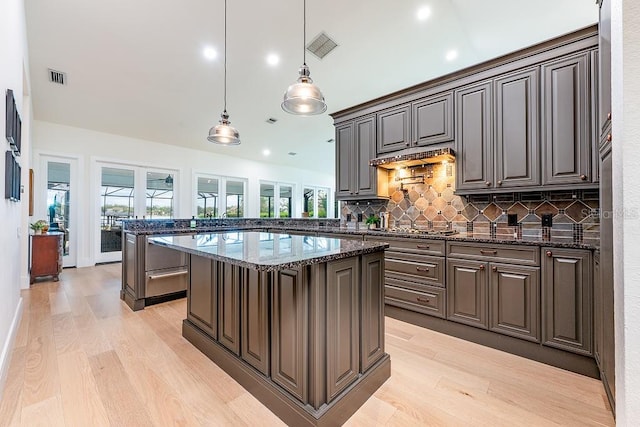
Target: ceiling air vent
(292, 153)
(57, 77)
(321, 45)
(271, 120)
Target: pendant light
(303, 98)
(223, 133)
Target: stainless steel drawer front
(161, 282)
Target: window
(159, 195)
(315, 202)
(218, 196)
(276, 200)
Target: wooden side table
(45, 258)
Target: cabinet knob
(499, 182)
(406, 143)
(609, 116)
(609, 138)
(487, 183)
(494, 268)
(549, 253)
(423, 299)
(481, 267)
(583, 177)
(422, 269)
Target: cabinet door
(566, 295)
(343, 325)
(203, 290)
(516, 137)
(255, 319)
(432, 120)
(130, 260)
(474, 137)
(372, 309)
(344, 160)
(365, 149)
(604, 53)
(289, 345)
(514, 301)
(394, 129)
(467, 292)
(597, 313)
(229, 280)
(566, 120)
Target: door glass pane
(116, 204)
(207, 198)
(159, 195)
(235, 199)
(322, 203)
(308, 203)
(58, 184)
(266, 201)
(286, 195)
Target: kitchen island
(297, 320)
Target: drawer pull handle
(481, 267)
(422, 269)
(494, 268)
(427, 300)
(549, 253)
(167, 275)
(422, 246)
(483, 252)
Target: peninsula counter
(297, 320)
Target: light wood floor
(83, 358)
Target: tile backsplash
(424, 198)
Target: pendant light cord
(225, 56)
(304, 32)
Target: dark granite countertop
(267, 251)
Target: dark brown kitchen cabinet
(372, 310)
(203, 288)
(432, 120)
(566, 133)
(516, 129)
(474, 140)
(514, 301)
(355, 147)
(254, 325)
(598, 324)
(394, 129)
(46, 255)
(567, 299)
(467, 292)
(289, 345)
(229, 281)
(343, 325)
(604, 54)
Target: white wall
(626, 203)
(89, 147)
(13, 60)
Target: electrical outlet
(547, 220)
(512, 220)
(360, 217)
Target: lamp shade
(223, 133)
(303, 98)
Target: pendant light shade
(303, 98)
(223, 133)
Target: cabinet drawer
(430, 301)
(412, 245)
(163, 282)
(528, 255)
(159, 257)
(430, 269)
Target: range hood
(413, 157)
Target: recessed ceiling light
(424, 13)
(209, 53)
(273, 59)
(451, 55)
(266, 152)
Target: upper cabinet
(355, 147)
(566, 119)
(433, 119)
(604, 53)
(394, 129)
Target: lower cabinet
(467, 292)
(46, 255)
(372, 310)
(567, 299)
(204, 294)
(254, 324)
(229, 280)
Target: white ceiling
(136, 68)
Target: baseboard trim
(7, 348)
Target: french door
(129, 192)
